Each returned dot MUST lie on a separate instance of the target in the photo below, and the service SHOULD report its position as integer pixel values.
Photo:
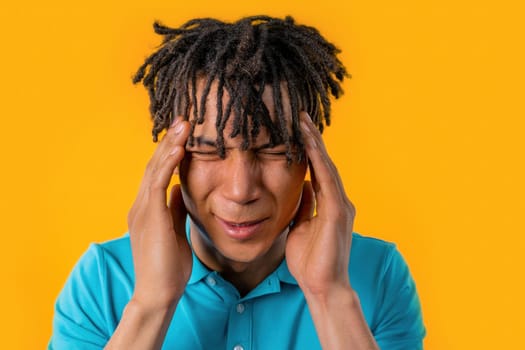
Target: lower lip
(243, 232)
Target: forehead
(209, 128)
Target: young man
(235, 257)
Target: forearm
(339, 320)
(141, 328)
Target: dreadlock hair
(243, 57)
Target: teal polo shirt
(212, 315)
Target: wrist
(145, 308)
(156, 299)
(141, 326)
(339, 319)
(332, 297)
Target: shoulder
(102, 264)
(115, 250)
(382, 279)
(375, 263)
(369, 262)
(378, 258)
(100, 258)
(97, 257)
(116, 247)
(368, 243)
(371, 251)
(113, 262)
(94, 296)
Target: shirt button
(211, 281)
(240, 308)
(238, 347)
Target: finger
(307, 206)
(326, 180)
(178, 210)
(167, 157)
(177, 135)
(160, 176)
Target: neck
(245, 274)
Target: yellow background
(428, 139)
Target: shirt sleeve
(401, 323)
(79, 322)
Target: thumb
(178, 210)
(307, 206)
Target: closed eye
(272, 155)
(204, 155)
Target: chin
(241, 252)
(227, 249)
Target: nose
(242, 179)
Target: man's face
(243, 202)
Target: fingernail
(304, 125)
(305, 116)
(178, 127)
(309, 137)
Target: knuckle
(344, 211)
(349, 205)
(349, 208)
(339, 214)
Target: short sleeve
(79, 322)
(401, 323)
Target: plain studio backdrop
(428, 139)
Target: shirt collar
(198, 270)
(284, 274)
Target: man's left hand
(318, 247)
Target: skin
(241, 188)
(254, 185)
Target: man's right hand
(161, 254)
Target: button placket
(240, 326)
(211, 281)
(240, 308)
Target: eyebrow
(200, 140)
(203, 141)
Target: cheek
(194, 170)
(196, 180)
(287, 183)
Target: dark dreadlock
(243, 57)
